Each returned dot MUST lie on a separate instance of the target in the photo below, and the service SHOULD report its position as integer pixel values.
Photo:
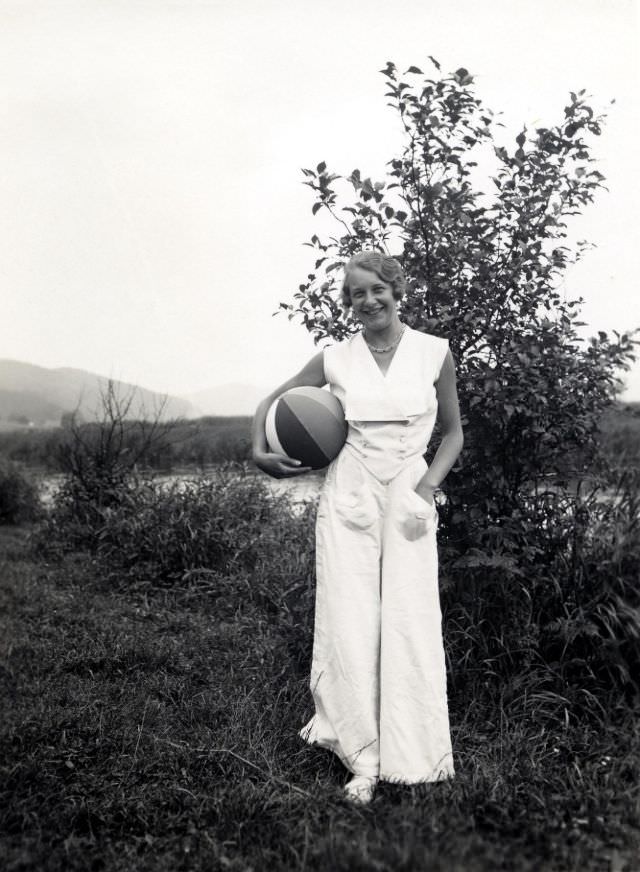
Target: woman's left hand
(426, 491)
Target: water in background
(301, 488)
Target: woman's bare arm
(278, 465)
(450, 427)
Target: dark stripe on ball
(295, 440)
(329, 431)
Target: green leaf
(321, 167)
(316, 207)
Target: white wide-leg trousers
(378, 674)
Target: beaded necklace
(386, 347)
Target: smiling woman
(378, 674)
(371, 286)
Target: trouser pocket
(415, 515)
(352, 495)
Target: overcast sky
(152, 210)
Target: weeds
(157, 674)
(155, 728)
(552, 601)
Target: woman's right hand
(274, 464)
(278, 465)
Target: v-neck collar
(384, 375)
(394, 396)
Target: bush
(80, 508)
(228, 524)
(231, 524)
(538, 589)
(558, 616)
(19, 500)
(484, 259)
(550, 623)
(230, 538)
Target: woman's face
(371, 299)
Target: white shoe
(361, 789)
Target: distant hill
(39, 396)
(229, 399)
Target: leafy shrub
(484, 260)
(551, 621)
(101, 461)
(19, 500)
(534, 582)
(79, 509)
(228, 537)
(560, 609)
(230, 523)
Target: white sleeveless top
(391, 417)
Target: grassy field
(155, 729)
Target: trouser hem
(418, 778)
(320, 743)
(444, 774)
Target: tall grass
(552, 608)
(156, 674)
(153, 726)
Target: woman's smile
(371, 297)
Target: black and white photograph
(319, 436)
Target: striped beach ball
(307, 424)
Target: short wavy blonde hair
(385, 266)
